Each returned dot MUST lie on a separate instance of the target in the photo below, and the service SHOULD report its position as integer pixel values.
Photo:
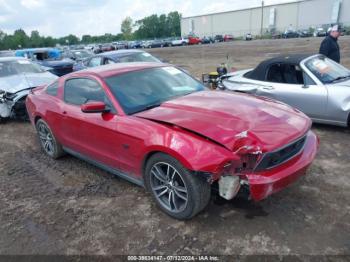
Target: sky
(96, 17)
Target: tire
(48, 142)
(166, 178)
(2, 120)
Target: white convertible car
(314, 84)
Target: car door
(290, 84)
(92, 135)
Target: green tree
(35, 39)
(126, 28)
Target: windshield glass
(326, 70)
(15, 67)
(82, 54)
(141, 90)
(138, 57)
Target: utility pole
(262, 19)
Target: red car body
(211, 133)
(193, 40)
(228, 38)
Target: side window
(308, 80)
(127, 59)
(285, 74)
(274, 74)
(52, 89)
(79, 91)
(109, 61)
(95, 61)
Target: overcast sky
(96, 17)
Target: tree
(174, 24)
(126, 28)
(35, 39)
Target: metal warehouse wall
(319, 12)
(298, 15)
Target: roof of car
(11, 58)
(259, 72)
(118, 68)
(119, 53)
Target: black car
(168, 41)
(119, 56)
(219, 38)
(154, 44)
(134, 44)
(305, 33)
(290, 34)
(208, 40)
(51, 58)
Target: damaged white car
(17, 77)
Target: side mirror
(305, 86)
(94, 107)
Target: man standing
(329, 46)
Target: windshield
(141, 90)
(15, 67)
(138, 57)
(81, 54)
(326, 70)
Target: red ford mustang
(158, 127)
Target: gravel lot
(71, 207)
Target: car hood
(341, 83)
(235, 121)
(15, 83)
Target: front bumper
(264, 183)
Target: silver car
(314, 84)
(17, 77)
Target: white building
(301, 14)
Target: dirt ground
(71, 207)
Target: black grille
(275, 158)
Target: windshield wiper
(339, 78)
(147, 108)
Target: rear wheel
(48, 141)
(176, 191)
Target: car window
(79, 91)
(109, 61)
(308, 80)
(52, 89)
(285, 74)
(95, 61)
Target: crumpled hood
(15, 83)
(233, 120)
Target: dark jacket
(330, 48)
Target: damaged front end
(12, 105)
(265, 173)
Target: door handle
(268, 88)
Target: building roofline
(243, 9)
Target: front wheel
(177, 192)
(48, 141)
